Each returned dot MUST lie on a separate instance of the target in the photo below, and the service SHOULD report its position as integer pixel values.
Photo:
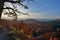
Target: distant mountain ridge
(38, 19)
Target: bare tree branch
(13, 1)
(23, 5)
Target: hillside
(29, 29)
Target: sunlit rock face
(17, 27)
(24, 30)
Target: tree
(14, 11)
(1, 7)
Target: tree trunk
(1, 7)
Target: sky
(44, 9)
